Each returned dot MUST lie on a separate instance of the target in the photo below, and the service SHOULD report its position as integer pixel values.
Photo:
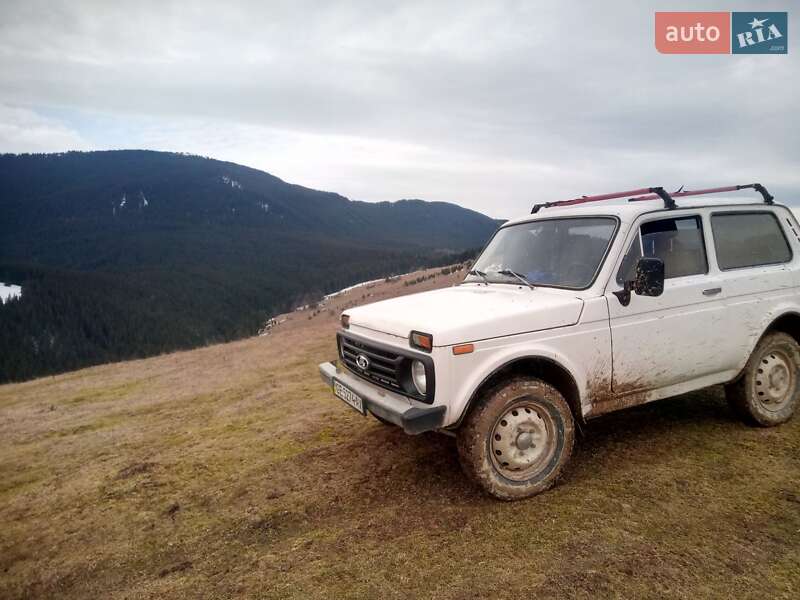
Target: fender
(770, 319)
(509, 359)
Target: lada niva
(579, 309)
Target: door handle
(712, 291)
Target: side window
(678, 242)
(749, 240)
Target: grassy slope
(230, 470)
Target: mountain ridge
(213, 197)
(126, 253)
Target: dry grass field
(231, 471)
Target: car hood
(470, 312)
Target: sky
(491, 105)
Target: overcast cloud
(490, 105)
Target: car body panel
(449, 314)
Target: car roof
(628, 211)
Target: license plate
(350, 397)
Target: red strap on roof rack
(768, 198)
(657, 192)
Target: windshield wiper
(480, 274)
(522, 278)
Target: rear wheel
(767, 392)
(517, 440)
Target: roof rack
(768, 198)
(654, 193)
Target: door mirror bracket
(649, 280)
(624, 295)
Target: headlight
(418, 376)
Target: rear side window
(678, 242)
(749, 240)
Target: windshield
(551, 252)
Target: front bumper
(392, 407)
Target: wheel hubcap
(523, 440)
(774, 380)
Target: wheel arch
(788, 322)
(544, 368)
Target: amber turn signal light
(422, 341)
(463, 349)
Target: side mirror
(649, 277)
(649, 280)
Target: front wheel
(518, 439)
(767, 392)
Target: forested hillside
(129, 253)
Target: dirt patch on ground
(177, 568)
(135, 469)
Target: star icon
(756, 23)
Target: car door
(666, 340)
(753, 251)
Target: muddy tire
(766, 394)
(517, 440)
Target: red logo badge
(693, 32)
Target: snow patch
(123, 201)
(264, 206)
(143, 198)
(271, 324)
(364, 284)
(353, 287)
(231, 182)
(8, 292)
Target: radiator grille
(384, 366)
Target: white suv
(578, 311)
